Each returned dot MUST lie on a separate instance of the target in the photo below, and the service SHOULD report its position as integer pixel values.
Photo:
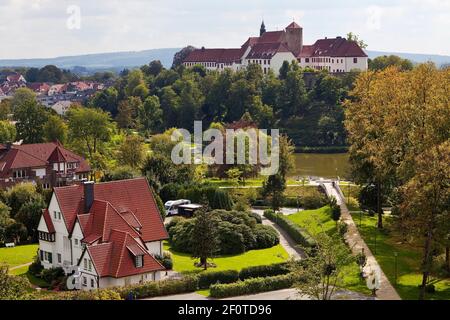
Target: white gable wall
(77, 248)
(278, 59)
(61, 246)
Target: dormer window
(139, 261)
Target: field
(182, 262)
(315, 221)
(17, 256)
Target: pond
(321, 165)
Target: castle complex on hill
(272, 48)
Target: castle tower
(294, 38)
(262, 30)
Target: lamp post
(396, 269)
(376, 230)
(360, 218)
(348, 193)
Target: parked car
(172, 206)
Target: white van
(172, 206)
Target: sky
(50, 28)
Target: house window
(139, 261)
(76, 241)
(92, 283)
(306, 59)
(85, 263)
(49, 257)
(84, 281)
(46, 186)
(90, 265)
(41, 255)
(59, 215)
(59, 257)
(19, 174)
(355, 60)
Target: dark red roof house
(49, 164)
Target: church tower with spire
(262, 30)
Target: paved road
(285, 294)
(357, 244)
(285, 240)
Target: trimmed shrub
(300, 235)
(291, 202)
(206, 279)
(36, 267)
(264, 271)
(165, 260)
(257, 217)
(53, 275)
(314, 202)
(251, 286)
(231, 240)
(266, 236)
(237, 231)
(159, 288)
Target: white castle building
(272, 48)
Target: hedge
(159, 288)
(264, 271)
(206, 279)
(299, 235)
(251, 286)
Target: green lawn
(18, 255)
(183, 262)
(319, 220)
(256, 182)
(408, 261)
(315, 221)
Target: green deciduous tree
(7, 132)
(321, 273)
(131, 152)
(55, 129)
(150, 115)
(89, 126)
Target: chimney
(88, 187)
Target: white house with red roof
(272, 48)
(110, 231)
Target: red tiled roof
(116, 258)
(103, 217)
(266, 50)
(48, 221)
(131, 219)
(335, 47)
(272, 37)
(37, 155)
(132, 195)
(215, 55)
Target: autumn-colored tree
(399, 128)
(426, 203)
